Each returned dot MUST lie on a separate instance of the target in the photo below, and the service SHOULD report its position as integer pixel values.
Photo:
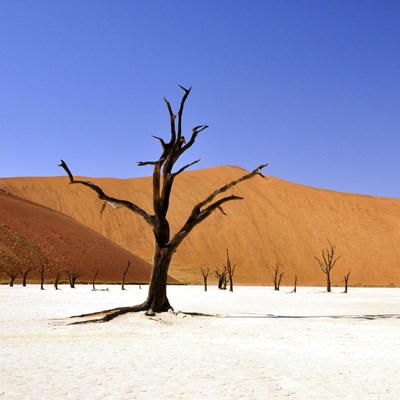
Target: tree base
(150, 308)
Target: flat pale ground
(262, 345)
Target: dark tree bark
(73, 275)
(346, 281)
(205, 272)
(41, 271)
(230, 270)
(295, 285)
(124, 275)
(12, 274)
(327, 262)
(277, 277)
(221, 276)
(94, 279)
(163, 180)
(25, 274)
(57, 278)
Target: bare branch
(222, 210)
(103, 207)
(223, 189)
(144, 163)
(67, 170)
(172, 121)
(195, 131)
(185, 167)
(198, 215)
(163, 144)
(217, 206)
(180, 112)
(115, 203)
(334, 262)
(205, 271)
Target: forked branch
(223, 189)
(199, 213)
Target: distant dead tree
(221, 276)
(277, 276)
(41, 272)
(19, 251)
(327, 262)
(12, 273)
(25, 273)
(124, 275)
(230, 269)
(346, 280)
(57, 277)
(73, 274)
(164, 175)
(94, 279)
(295, 285)
(205, 272)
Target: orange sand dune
(276, 219)
(31, 233)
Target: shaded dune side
(276, 219)
(63, 242)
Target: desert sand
(32, 234)
(276, 220)
(260, 344)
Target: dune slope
(31, 234)
(276, 220)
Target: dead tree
(277, 276)
(41, 271)
(295, 285)
(230, 270)
(57, 277)
(164, 175)
(205, 272)
(94, 279)
(221, 276)
(12, 273)
(327, 262)
(124, 275)
(346, 281)
(24, 274)
(73, 274)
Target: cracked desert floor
(257, 344)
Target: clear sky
(312, 87)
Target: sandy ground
(263, 345)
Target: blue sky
(312, 87)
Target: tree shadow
(368, 317)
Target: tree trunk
(57, 279)
(205, 283)
(124, 275)
(328, 282)
(230, 283)
(41, 277)
(157, 300)
(295, 284)
(25, 277)
(346, 282)
(94, 280)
